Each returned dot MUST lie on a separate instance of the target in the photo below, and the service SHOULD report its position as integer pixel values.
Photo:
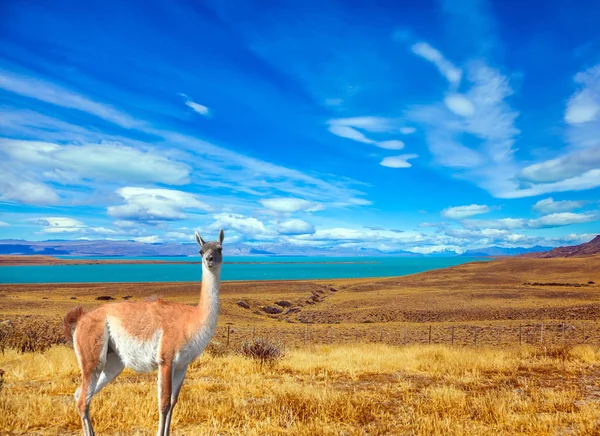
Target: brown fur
(70, 321)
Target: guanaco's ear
(199, 239)
(221, 237)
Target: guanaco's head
(211, 252)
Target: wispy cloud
(48, 92)
(295, 227)
(400, 161)
(446, 68)
(460, 212)
(196, 107)
(151, 205)
(289, 205)
(548, 205)
(70, 163)
(584, 105)
(349, 128)
(559, 219)
(216, 167)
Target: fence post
(429, 335)
(541, 333)
(563, 332)
(330, 335)
(305, 335)
(520, 334)
(228, 332)
(452, 335)
(355, 334)
(253, 332)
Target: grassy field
(359, 360)
(325, 390)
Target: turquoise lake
(261, 268)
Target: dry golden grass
(325, 390)
(354, 386)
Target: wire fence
(524, 333)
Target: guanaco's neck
(209, 295)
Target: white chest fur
(209, 306)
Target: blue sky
(390, 125)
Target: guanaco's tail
(70, 321)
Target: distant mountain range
(501, 251)
(132, 248)
(586, 249)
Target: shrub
(30, 335)
(243, 304)
(105, 298)
(261, 350)
(272, 310)
(283, 303)
(217, 349)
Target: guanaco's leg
(91, 346)
(112, 368)
(178, 376)
(165, 383)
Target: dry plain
(508, 346)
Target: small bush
(283, 303)
(217, 349)
(261, 350)
(243, 304)
(272, 310)
(30, 335)
(105, 298)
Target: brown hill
(586, 249)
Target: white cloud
(562, 168)
(350, 133)
(348, 128)
(289, 205)
(407, 130)
(214, 167)
(393, 144)
(548, 205)
(460, 212)
(295, 227)
(588, 180)
(154, 239)
(370, 124)
(201, 109)
(547, 221)
(104, 161)
(19, 187)
(584, 105)
(56, 95)
(489, 129)
(144, 204)
(501, 224)
(248, 226)
(459, 104)
(582, 108)
(400, 161)
(562, 219)
(4, 224)
(445, 67)
(578, 166)
(60, 225)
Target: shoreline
(42, 260)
